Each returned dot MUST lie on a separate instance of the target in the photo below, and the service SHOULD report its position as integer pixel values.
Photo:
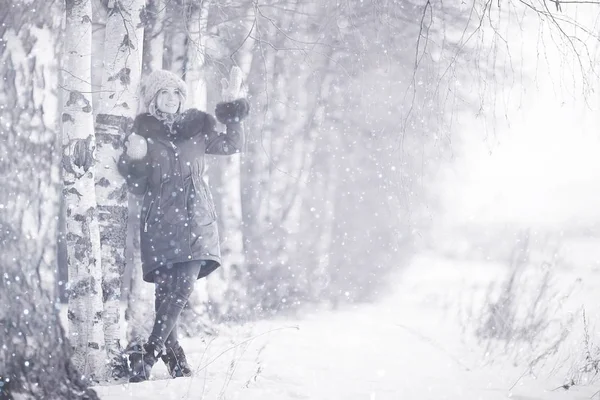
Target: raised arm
(231, 141)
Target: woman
(164, 161)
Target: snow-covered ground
(410, 345)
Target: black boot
(141, 360)
(176, 362)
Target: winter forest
(414, 212)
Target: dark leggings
(173, 287)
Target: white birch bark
(35, 352)
(83, 235)
(139, 312)
(32, 108)
(118, 106)
(99, 14)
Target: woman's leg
(178, 285)
(163, 283)
(143, 357)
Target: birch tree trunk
(122, 69)
(99, 15)
(139, 312)
(194, 318)
(83, 235)
(34, 349)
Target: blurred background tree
(35, 354)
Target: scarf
(166, 118)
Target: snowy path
(391, 351)
(363, 354)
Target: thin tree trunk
(139, 312)
(318, 258)
(320, 277)
(194, 319)
(262, 210)
(226, 288)
(122, 69)
(154, 36)
(196, 47)
(83, 235)
(175, 39)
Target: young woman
(164, 161)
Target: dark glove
(231, 112)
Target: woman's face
(168, 100)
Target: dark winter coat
(178, 217)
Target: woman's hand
(232, 89)
(136, 146)
(234, 107)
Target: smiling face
(168, 100)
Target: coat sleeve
(225, 143)
(232, 140)
(136, 172)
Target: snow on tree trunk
(83, 235)
(118, 105)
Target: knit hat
(158, 80)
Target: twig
(519, 379)
(434, 344)
(245, 341)
(566, 386)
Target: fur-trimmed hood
(188, 124)
(191, 122)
